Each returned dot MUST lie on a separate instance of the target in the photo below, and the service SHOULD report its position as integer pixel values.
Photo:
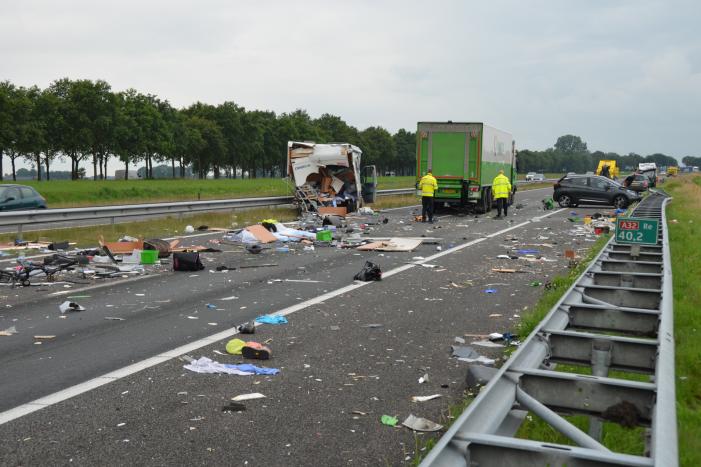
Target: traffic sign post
(637, 231)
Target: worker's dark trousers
(427, 208)
(502, 203)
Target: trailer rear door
(448, 154)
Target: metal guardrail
(19, 219)
(618, 315)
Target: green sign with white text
(637, 231)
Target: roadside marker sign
(637, 231)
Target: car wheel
(564, 201)
(620, 202)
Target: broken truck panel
(325, 176)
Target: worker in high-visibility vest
(428, 185)
(501, 187)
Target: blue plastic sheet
(248, 368)
(271, 319)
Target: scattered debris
(9, 331)
(248, 397)
(370, 272)
(233, 407)
(389, 420)
(425, 398)
(206, 365)
(255, 350)
(68, 306)
(247, 328)
(469, 355)
(44, 337)
(423, 379)
(421, 424)
(271, 319)
(234, 346)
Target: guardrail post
(600, 362)
(19, 231)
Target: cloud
(619, 74)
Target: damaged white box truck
(328, 178)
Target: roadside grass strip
(81, 193)
(684, 227)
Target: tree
(570, 144)
(661, 160)
(229, 117)
(378, 148)
(128, 135)
(405, 146)
(691, 161)
(7, 90)
(22, 131)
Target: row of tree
(85, 121)
(692, 161)
(570, 154)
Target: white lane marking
(91, 384)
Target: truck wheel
(564, 201)
(485, 202)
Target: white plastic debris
(70, 306)
(248, 397)
(425, 398)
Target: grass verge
(684, 224)
(80, 193)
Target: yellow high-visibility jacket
(501, 186)
(428, 185)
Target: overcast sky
(623, 75)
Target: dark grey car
(573, 190)
(18, 197)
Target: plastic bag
(370, 272)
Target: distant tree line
(692, 161)
(570, 154)
(85, 122)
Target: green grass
(684, 236)
(77, 193)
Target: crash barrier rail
(19, 219)
(617, 316)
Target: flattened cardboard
(261, 233)
(393, 244)
(340, 211)
(121, 248)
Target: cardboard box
(341, 211)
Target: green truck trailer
(465, 158)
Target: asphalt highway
(360, 347)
